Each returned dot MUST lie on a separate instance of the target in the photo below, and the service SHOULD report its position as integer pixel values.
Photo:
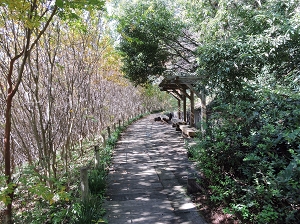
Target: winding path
(148, 177)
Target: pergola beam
(174, 91)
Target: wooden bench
(182, 126)
(176, 123)
(189, 131)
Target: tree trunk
(7, 132)
(11, 91)
(8, 212)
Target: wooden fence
(105, 135)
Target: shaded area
(148, 177)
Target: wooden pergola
(178, 86)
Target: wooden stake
(104, 140)
(97, 156)
(108, 131)
(84, 184)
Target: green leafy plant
(250, 156)
(97, 181)
(88, 212)
(5, 191)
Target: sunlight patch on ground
(187, 206)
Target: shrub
(250, 156)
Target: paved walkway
(148, 177)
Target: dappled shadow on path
(148, 176)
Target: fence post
(104, 141)
(97, 156)
(108, 131)
(119, 123)
(84, 184)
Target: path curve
(148, 177)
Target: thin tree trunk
(11, 91)
(8, 212)
(7, 132)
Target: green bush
(250, 156)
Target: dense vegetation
(250, 156)
(62, 84)
(153, 41)
(248, 60)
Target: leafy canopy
(246, 41)
(146, 29)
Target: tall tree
(154, 41)
(240, 40)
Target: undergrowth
(36, 202)
(250, 156)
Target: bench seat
(191, 132)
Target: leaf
(5, 199)
(59, 3)
(51, 201)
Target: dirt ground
(211, 213)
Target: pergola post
(202, 96)
(179, 108)
(203, 110)
(179, 98)
(184, 106)
(192, 117)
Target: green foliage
(75, 12)
(5, 191)
(97, 181)
(88, 212)
(250, 60)
(154, 98)
(248, 41)
(68, 6)
(55, 213)
(223, 66)
(146, 29)
(35, 195)
(37, 187)
(250, 155)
